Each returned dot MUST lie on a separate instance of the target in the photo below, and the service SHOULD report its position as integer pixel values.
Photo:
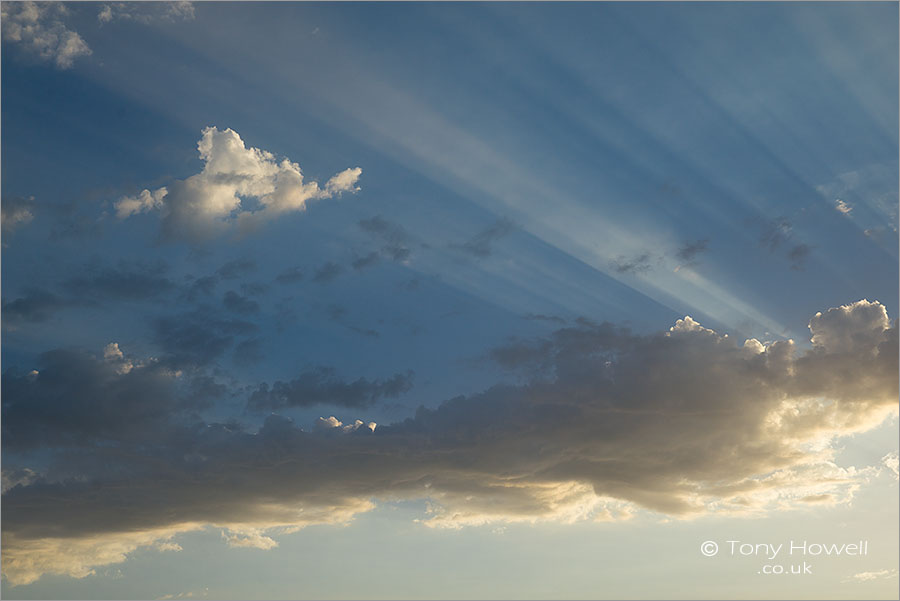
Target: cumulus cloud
(684, 422)
(38, 27)
(237, 187)
(850, 328)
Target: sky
(439, 300)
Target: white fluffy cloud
(238, 186)
(849, 328)
(38, 27)
(142, 203)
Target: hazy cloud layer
(238, 187)
(683, 422)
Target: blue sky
(513, 204)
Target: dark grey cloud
(689, 251)
(74, 399)
(36, 306)
(338, 313)
(481, 244)
(198, 337)
(367, 261)
(797, 255)
(127, 281)
(289, 276)
(200, 287)
(395, 243)
(327, 272)
(778, 234)
(254, 288)
(542, 317)
(236, 268)
(95, 285)
(236, 303)
(641, 263)
(683, 421)
(321, 386)
(248, 352)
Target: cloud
(395, 242)
(780, 232)
(236, 269)
(132, 282)
(892, 462)
(128, 281)
(685, 422)
(856, 327)
(875, 575)
(237, 187)
(481, 244)
(541, 317)
(367, 261)
(15, 212)
(197, 338)
(842, 207)
(39, 29)
(689, 251)
(337, 313)
(797, 255)
(144, 202)
(236, 303)
(248, 352)
(36, 306)
(321, 386)
(146, 12)
(327, 272)
(74, 399)
(637, 264)
(248, 538)
(289, 276)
